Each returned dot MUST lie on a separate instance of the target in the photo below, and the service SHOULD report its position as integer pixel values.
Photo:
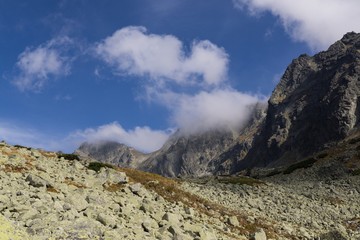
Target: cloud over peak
(131, 50)
(318, 23)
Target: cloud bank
(140, 138)
(132, 50)
(318, 23)
(38, 65)
(218, 109)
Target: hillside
(52, 196)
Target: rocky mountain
(184, 155)
(315, 105)
(111, 152)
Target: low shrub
(239, 180)
(322, 155)
(19, 146)
(303, 164)
(273, 173)
(67, 156)
(354, 140)
(96, 166)
(356, 172)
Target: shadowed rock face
(212, 152)
(316, 103)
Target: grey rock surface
(316, 104)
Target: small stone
(30, 214)
(172, 218)
(233, 221)
(107, 220)
(36, 181)
(135, 188)
(259, 235)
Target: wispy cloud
(23, 135)
(38, 65)
(132, 50)
(141, 138)
(208, 110)
(315, 22)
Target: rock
(136, 188)
(106, 219)
(233, 221)
(36, 181)
(29, 214)
(172, 218)
(259, 235)
(77, 201)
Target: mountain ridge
(315, 104)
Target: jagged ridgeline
(314, 106)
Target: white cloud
(319, 23)
(141, 138)
(132, 50)
(208, 110)
(38, 65)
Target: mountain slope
(315, 104)
(202, 154)
(111, 152)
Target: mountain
(315, 105)
(111, 152)
(183, 155)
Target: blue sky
(134, 71)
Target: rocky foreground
(45, 195)
(50, 197)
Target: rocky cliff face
(212, 152)
(315, 104)
(111, 152)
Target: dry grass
(334, 200)
(353, 224)
(51, 189)
(15, 169)
(240, 180)
(70, 182)
(113, 187)
(170, 190)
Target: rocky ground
(54, 198)
(302, 210)
(44, 195)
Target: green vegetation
(354, 140)
(273, 173)
(239, 180)
(356, 172)
(322, 155)
(19, 146)
(96, 166)
(303, 164)
(67, 156)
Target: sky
(136, 71)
